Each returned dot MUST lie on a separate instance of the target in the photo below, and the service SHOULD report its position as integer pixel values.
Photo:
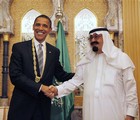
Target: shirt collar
(37, 43)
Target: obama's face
(41, 28)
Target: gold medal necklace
(37, 78)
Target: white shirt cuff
(132, 112)
(40, 88)
(60, 91)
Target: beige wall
(71, 7)
(131, 18)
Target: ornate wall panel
(131, 18)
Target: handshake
(49, 91)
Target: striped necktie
(40, 58)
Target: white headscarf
(114, 56)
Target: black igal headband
(98, 29)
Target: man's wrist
(43, 88)
(128, 117)
(56, 91)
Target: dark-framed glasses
(95, 36)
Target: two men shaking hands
(50, 91)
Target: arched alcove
(84, 21)
(27, 24)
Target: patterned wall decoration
(84, 22)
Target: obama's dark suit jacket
(26, 98)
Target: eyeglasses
(95, 36)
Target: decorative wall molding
(6, 21)
(58, 14)
(113, 20)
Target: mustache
(94, 43)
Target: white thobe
(109, 92)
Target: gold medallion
(37, 79)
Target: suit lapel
(30, 50)
(48, 59)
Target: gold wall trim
(131, 22)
